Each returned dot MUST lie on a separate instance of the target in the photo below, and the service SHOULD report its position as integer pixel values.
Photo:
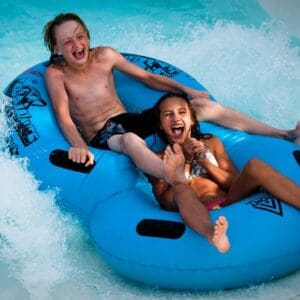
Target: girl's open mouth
(177, 131)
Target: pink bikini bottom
(217, 204)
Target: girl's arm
(163, 193)
(225, 173)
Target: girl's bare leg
(193, 212)
(258, 174)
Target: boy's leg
(215, 112)
(136, 148)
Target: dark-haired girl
(200, 176)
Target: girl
(200, 176)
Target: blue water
(245, 58)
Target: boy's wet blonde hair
(49, 29)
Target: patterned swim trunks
(141, 123)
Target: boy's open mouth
(79, 54)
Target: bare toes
(220, 239)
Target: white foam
(34, 232)
(287, 10)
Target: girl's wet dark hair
(49, 28)
(195, 129)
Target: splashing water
(45, 253)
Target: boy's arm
(79, 151)
(154, 81)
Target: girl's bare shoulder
(211, 140)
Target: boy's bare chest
(92, 85)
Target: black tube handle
(60, 159)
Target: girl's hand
(193, 147)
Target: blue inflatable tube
(132, 234)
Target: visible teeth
(79, 54)
(177, 130)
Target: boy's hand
(81, 155)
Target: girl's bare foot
(173, 161)
(220, 239)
